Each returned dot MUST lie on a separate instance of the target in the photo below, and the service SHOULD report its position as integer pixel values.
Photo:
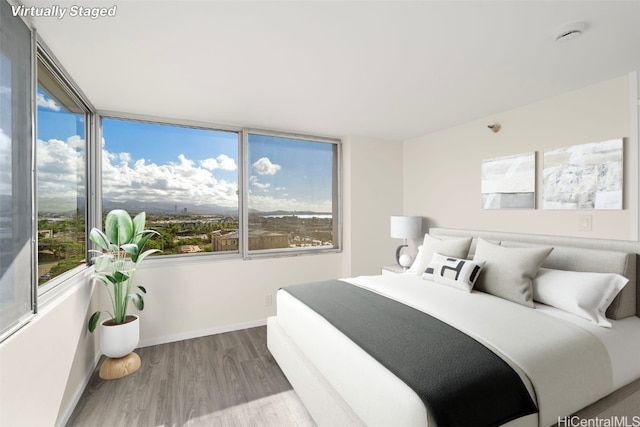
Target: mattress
(378, 398)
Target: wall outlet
(585, 223)
(268, 300)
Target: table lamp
(405, 227)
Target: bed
(572, 362)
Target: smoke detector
(569, 31)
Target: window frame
(192, 124)
(243, 181)
(22, 312)
(43, 54)
(336, 203)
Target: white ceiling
(384, 69)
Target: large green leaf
(138, 301)
(138, 226)
(146, 235)
(120, 276)
(100, 239)
(103, 262)
(146, 254)
(119, 227)
(93, 321)
(131, 249)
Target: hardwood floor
(229, 379)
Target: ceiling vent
(569, 31)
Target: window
(16, 250)
(292, 193)
(61, 174)
(184, 178)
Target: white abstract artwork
(586, 176)
(509, 182)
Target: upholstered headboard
(578, 254)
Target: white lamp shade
(406, 227)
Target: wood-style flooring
(228, 379)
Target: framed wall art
(586, 176)
(509, 182)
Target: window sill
(51, 292)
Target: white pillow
(455, 272)
(584, 294)
(414, 267)
(458, 248)
(508, 272)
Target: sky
(146, 162)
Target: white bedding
(367, 385)
(622, 342)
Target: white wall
(44, 366)
(442, 169)
(634, 151)
(374, 192)
(189, 298)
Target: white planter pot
(119, 340)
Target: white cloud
(253, 180)
(223, 162)
(176, 182)
(47, 103)
(125, 157)
(263, 166)
(61, 177)
(126, 178)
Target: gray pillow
(458, 248)
(508, 272)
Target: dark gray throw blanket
(461, 382)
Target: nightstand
(392, 269)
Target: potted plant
(121, 251)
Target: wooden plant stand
(112, 369)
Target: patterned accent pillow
(458, 248)
(455, 272)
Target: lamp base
(405, 261)
(398, 254)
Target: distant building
(227, 240)
(267, 240)
(224, 241)
(189, 249)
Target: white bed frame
(328, 408)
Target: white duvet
(565, 365)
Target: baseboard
(202, 333)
